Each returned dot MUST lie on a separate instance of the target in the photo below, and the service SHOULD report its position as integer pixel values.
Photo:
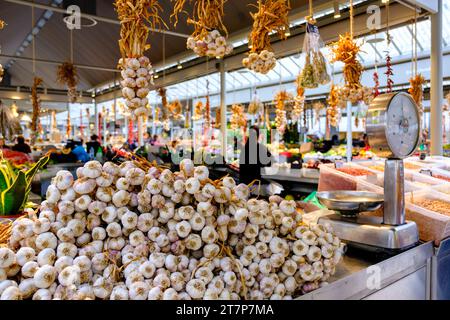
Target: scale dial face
(402, 125)
(393, 125)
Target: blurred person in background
(21, 146)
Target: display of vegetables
(140, 232)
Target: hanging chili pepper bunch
(67, 75)
(272, 16)
(416, 90)
(35, 101)
(238, 118)
(346, 51)
(376, 87)
(209, 36)
(175, 109)
(389, 73)
(136, 17)
(282, 98)
(299, 104)
(333, 109)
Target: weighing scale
(393, 128)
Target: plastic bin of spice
(430, 210)
(344, 177)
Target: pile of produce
(435, 205)
(136, 17)
(140, 232)
(206, 40)
(355, 171)
(272, 16)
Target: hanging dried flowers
(299, 104)
(68, 126)
(254, 106)
(238, 118)
(333, 109)
(209, 36)
(67, 75)
(281, 99)
(35, 101)
(175, 109)
(416, 90)
(136, 17)
(346, 51)
(272, 16)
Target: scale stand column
(394, 193)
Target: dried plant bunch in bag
(314, 71)
(136, 18)
(210, 33)
(67, 75)
(272, 16)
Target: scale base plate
(370, 231)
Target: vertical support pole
(223, 110)
(140, 131)
(349, 132)
(436, 92)
(104, 125)
(96, 116)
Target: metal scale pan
(351, 203)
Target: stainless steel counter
(364, 276)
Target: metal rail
(89, 16)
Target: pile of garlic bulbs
(121, 232)
(213, 45)
(262, 62)
(137, 74)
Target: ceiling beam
(89, 16)
(52, 62)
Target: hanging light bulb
(337, 11)
(384, 1)
(14, 109)
(156, 76)
(179, 66)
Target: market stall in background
(216, 150)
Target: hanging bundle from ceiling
(175, 109)
(198, 111)
(68, 76)
(209, 36)
(9, 124)
(35, 101)
(282, 98)
(136, 18)
(299, 104)
(333, 109)
(417, 80)
(2, 71)
(346, 50)
(314, 71)
(238, 119)
(272, 16)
